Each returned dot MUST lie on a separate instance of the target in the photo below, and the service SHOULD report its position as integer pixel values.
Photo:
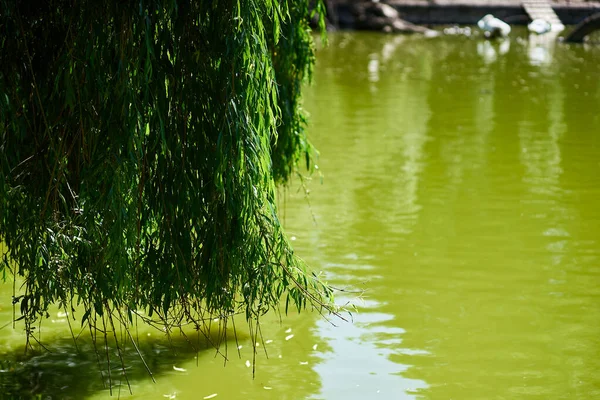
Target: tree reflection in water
(67, 371)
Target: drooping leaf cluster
(293, 59)
(140, 143)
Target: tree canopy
(140, 145)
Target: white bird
(493, 27)
(539, 26)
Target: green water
(460, 194)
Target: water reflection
(182, 370)
(371, 343)
(455, 174)
(489, 50)
(67, 371)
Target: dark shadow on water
(67, 371)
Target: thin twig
(119, 352)
(138, 352)
(71, 329)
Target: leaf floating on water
(315, 346)
(248, 363)
(288, 337)
(210, 396)
(179, 369)
(289, 330)
(267, 387)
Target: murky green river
(460, 197)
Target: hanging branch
(140, 147)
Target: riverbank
(343, 15)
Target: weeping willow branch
(140, 146)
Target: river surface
(457, 204)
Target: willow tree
(140, 145)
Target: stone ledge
(467, 12)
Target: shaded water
(461, 192)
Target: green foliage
(293, 59)
(140, 142)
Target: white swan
(493, 27)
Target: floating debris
(288, 330)
(240, 347)
(248, 363)
(293, 238)
(268, 341)
(61, 314)
(210, 396)
(288, 337)
(457, 30)
(315, 346)
(303, 362)
(170, 396)
(267, 387)
(179, 369)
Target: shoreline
(462, 12)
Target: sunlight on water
(463, 178)
(359, 363)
